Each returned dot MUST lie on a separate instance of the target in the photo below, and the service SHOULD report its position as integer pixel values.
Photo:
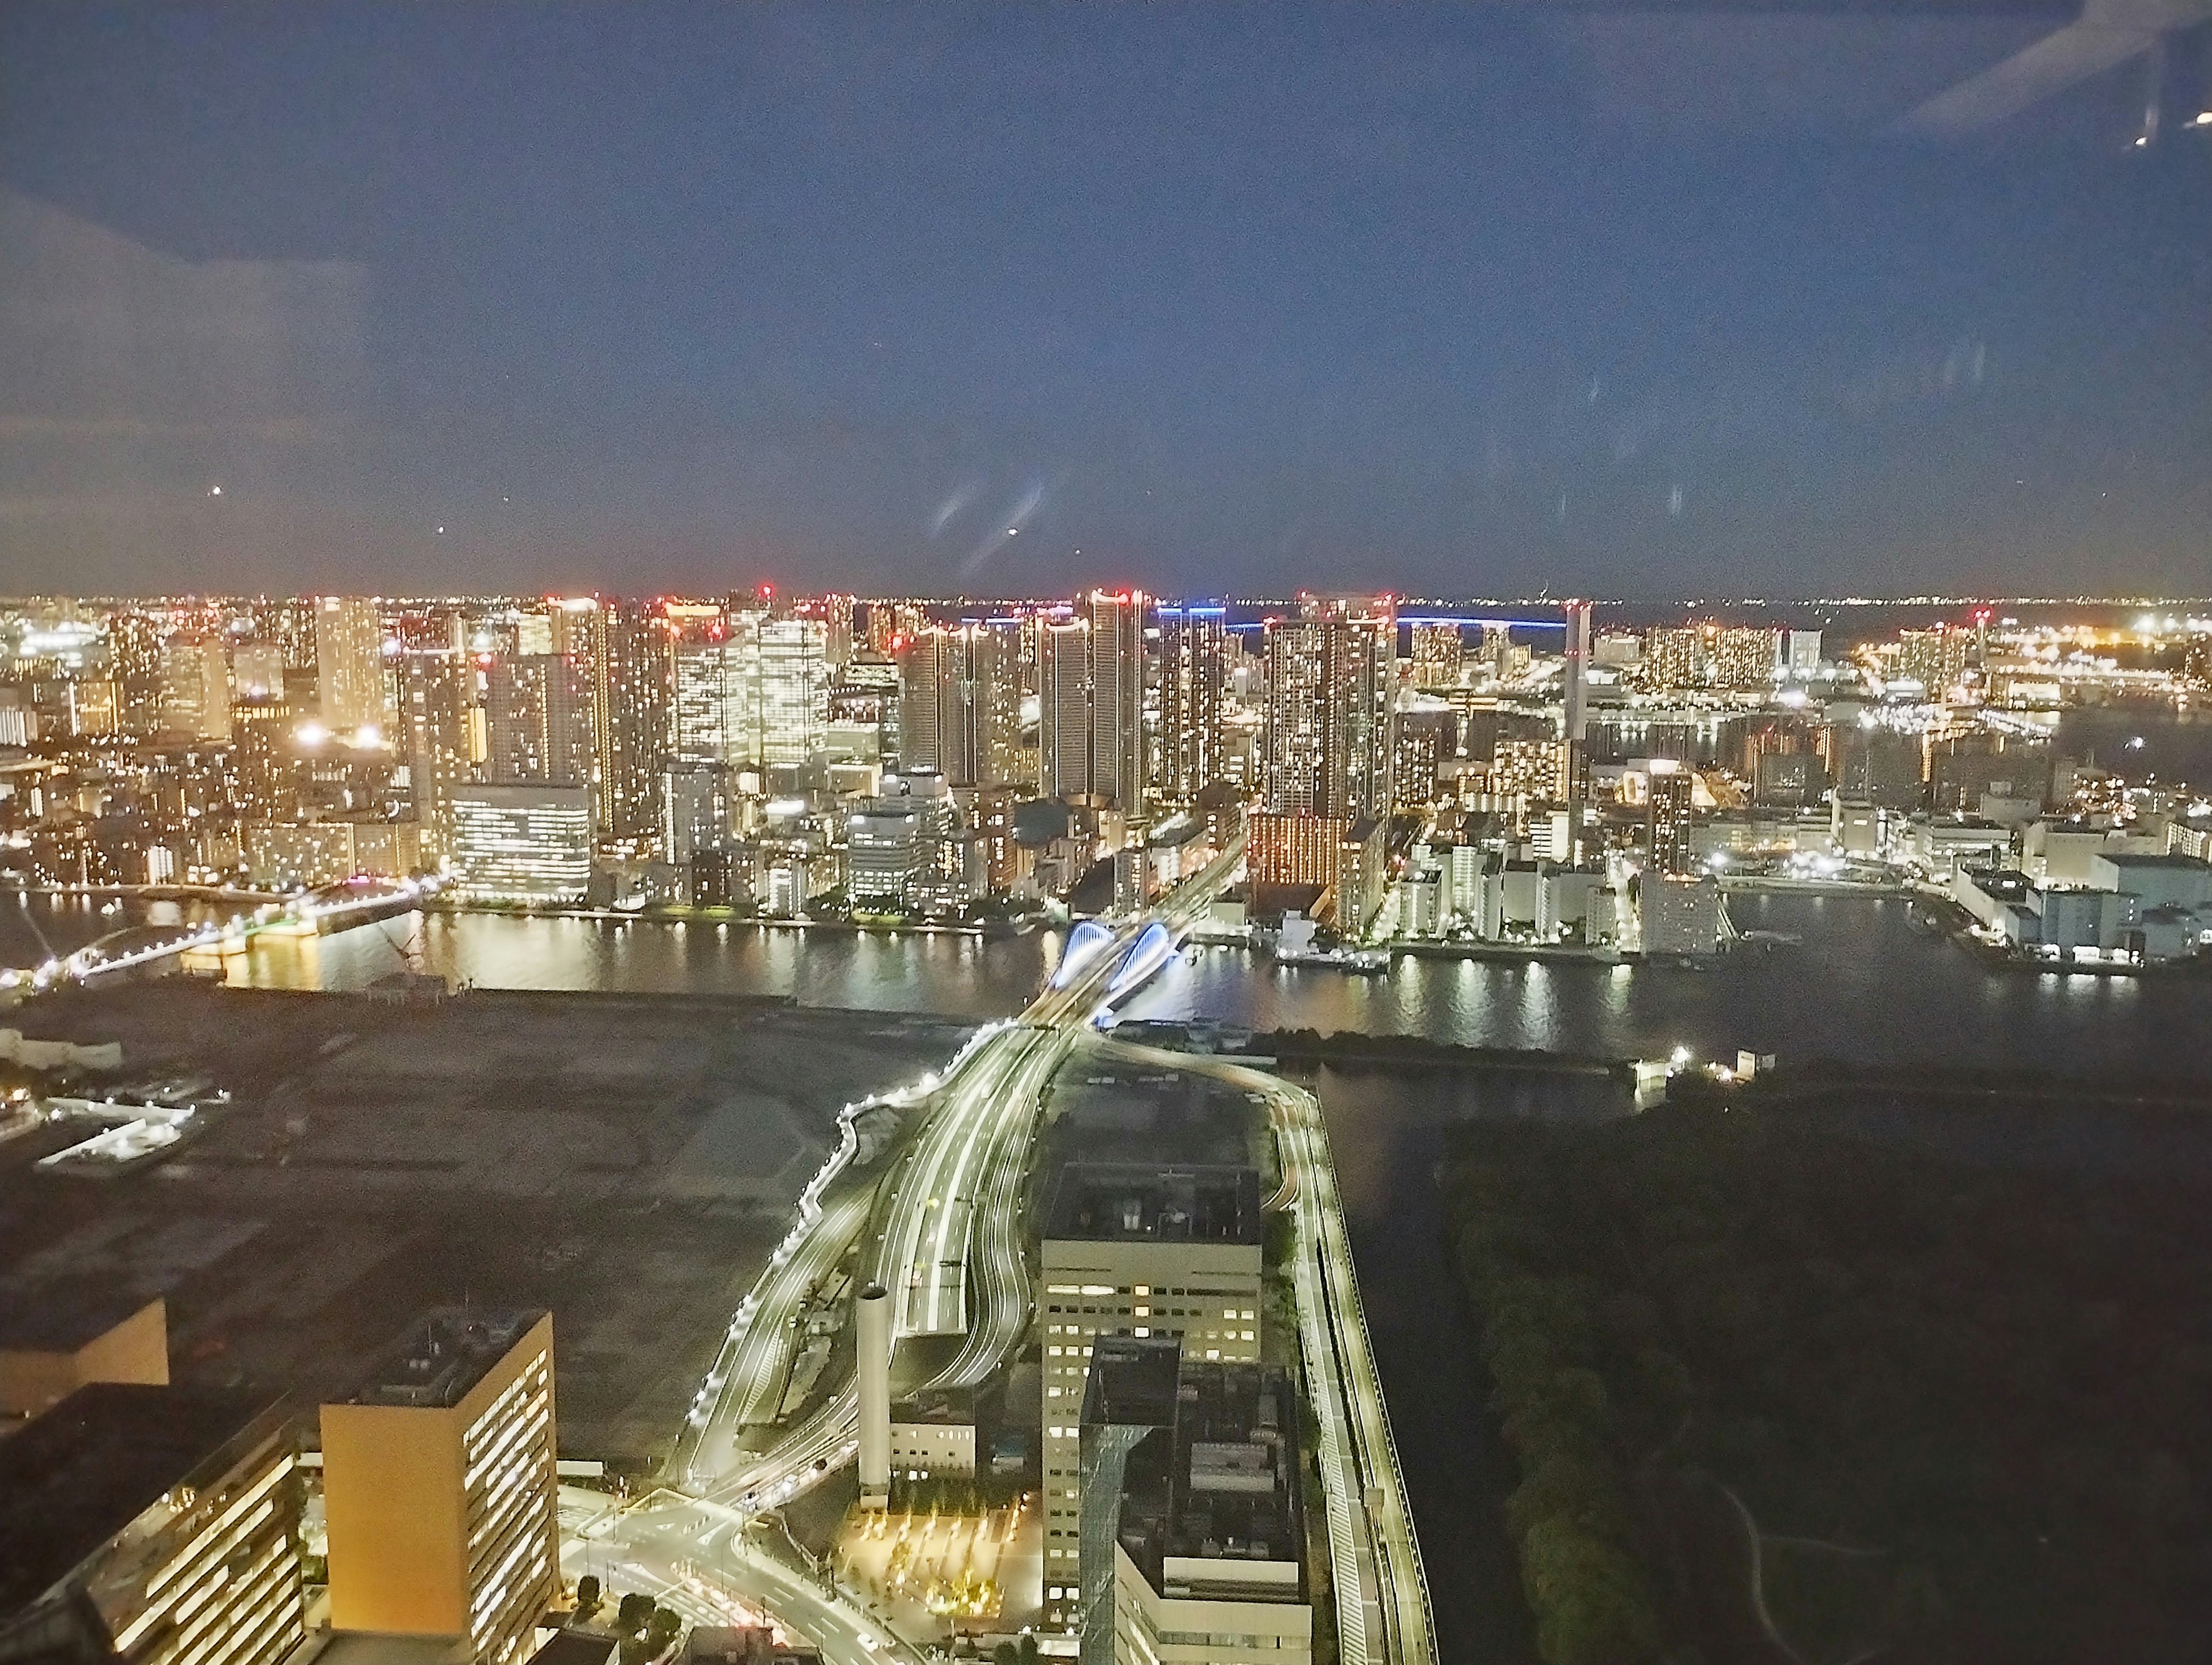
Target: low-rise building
(1939, 846)
(934, 1436)
(50, 1348)
(2155, 881)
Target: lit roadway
(699, 1559)
(949, 1236)
(1381, 1592)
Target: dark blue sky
(1454, 299)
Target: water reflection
(1862, 985)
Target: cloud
(97, 329)
(131, 378)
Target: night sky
(1452, 299)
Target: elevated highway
(943, 1227)
(1384, 1614)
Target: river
(1862, 984)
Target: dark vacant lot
(626, 1162)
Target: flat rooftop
(64, 1317)
(1212, 1503)
(2167, 863)
(1132, 1381)
(1144, 1202)
(446, 1353)
(96, 1462)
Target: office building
(1801, 653)
(1135, 1251)
(537, 721)
(50, 1348)
(438, 1486)
(906, 851)
(1435, 653)
(882, 854)
(1666, 816)
(151, 1526)
(1090, 687)
(525, 841)
(1193, 1529)
(794, 696)
(709, 669)
(960, 704)
(257, 672)
(350, 663)
(1193, 678)
(195, 689)
(1332, 696)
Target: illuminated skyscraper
(349, 662)
(1436, 655)
(1193, 677)
(435, 715)
(708, 664)
(195, 689)
(1935, 659)
(1667, 830)
(1746, 657)
(623, 650)
(1090, 687)
(959, 707)
(794, 693)
(1331, 690)
(537, 721)
(1674, 657)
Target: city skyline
(1223, 834)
